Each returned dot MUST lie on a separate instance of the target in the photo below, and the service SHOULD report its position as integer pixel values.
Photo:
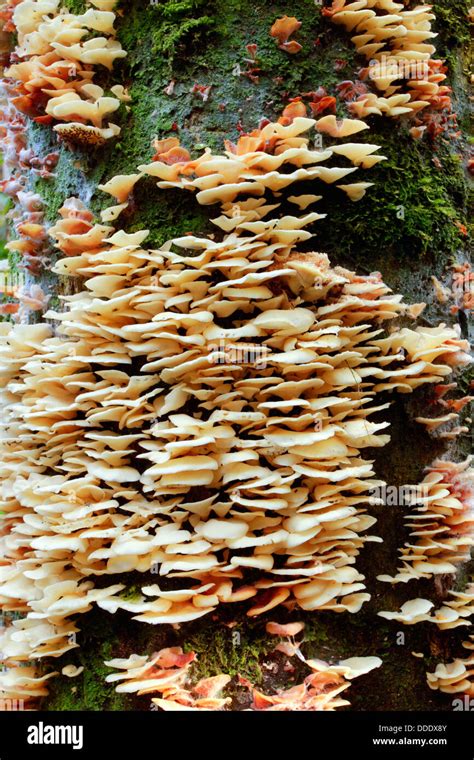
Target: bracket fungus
(455, 677)
(22, 684)
(452, 614)
(442, 524)
(320, 689)
(396, 41)
(282, 29)
(168, 672)
(267, 160)
(130, 444)
(57, 53)
(199, 413)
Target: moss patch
(75, 6)
(98, 642)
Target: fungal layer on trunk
(396, 41)
(200, 413)
(442, 523)
(56, 55)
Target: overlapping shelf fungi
(169, 674)
(57, 55)
(396, 41)
(441, 538)
(199, 413)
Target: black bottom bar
(132, 735)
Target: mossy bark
(204, 41)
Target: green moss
(171, 36)
(88, 691)
(465, 576)
(75, 6)
(168, 25)
(236, 651)
(452, 25)
(54, 302)
(173, 9)
(412, 209)
(466, 379)
(132, 592)
(70, 174)
(5, 206)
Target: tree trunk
(409, 226)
